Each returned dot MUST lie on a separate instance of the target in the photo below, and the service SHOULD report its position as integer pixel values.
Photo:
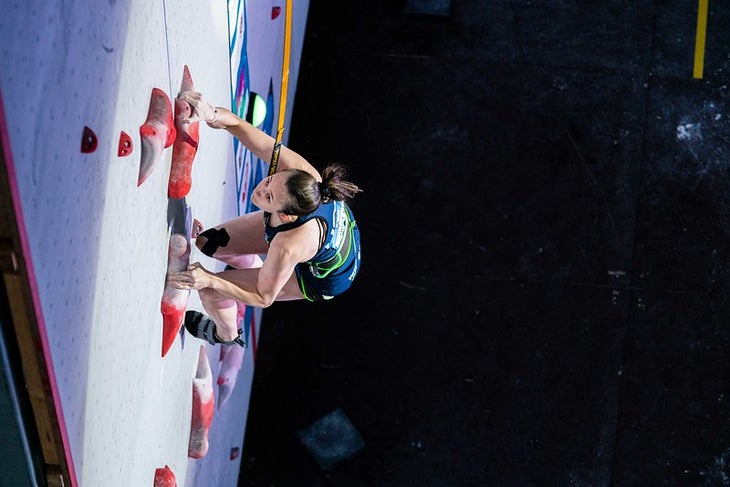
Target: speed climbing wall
(76, 83)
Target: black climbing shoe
(201, 326)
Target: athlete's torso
(334, 216)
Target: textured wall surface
(98, 241)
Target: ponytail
(334, 187)
(307, 194)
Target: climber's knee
(214, 238)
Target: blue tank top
(338, 239)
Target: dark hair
(307, 194)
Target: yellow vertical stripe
(285, 68)
(700, 38)
(284, 88)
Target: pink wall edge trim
(12, 180)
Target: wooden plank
(25, 324)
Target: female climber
(303, 229)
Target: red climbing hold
(203, 407)
(88, 141)
(174, 301)
(156, 134)
(125, 144)
(275, 11)
(231, 359)
(185, 144)
(165, 478)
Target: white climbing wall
(98, 243)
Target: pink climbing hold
(185, 145)
(174, 301)
(125, 144)
(203, 407)
(88, 141)
(231, 358)
(197, 228)
(164, 477)
(156, 134)
(275, 11)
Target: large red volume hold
(203, 407)
(174, 301)
(231, 362)
(156, 134)
(185, 145)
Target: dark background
(543, 297)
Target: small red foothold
(275, 11)
(125, 144)
(88, 141)
(164, 477)
(235, 451)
